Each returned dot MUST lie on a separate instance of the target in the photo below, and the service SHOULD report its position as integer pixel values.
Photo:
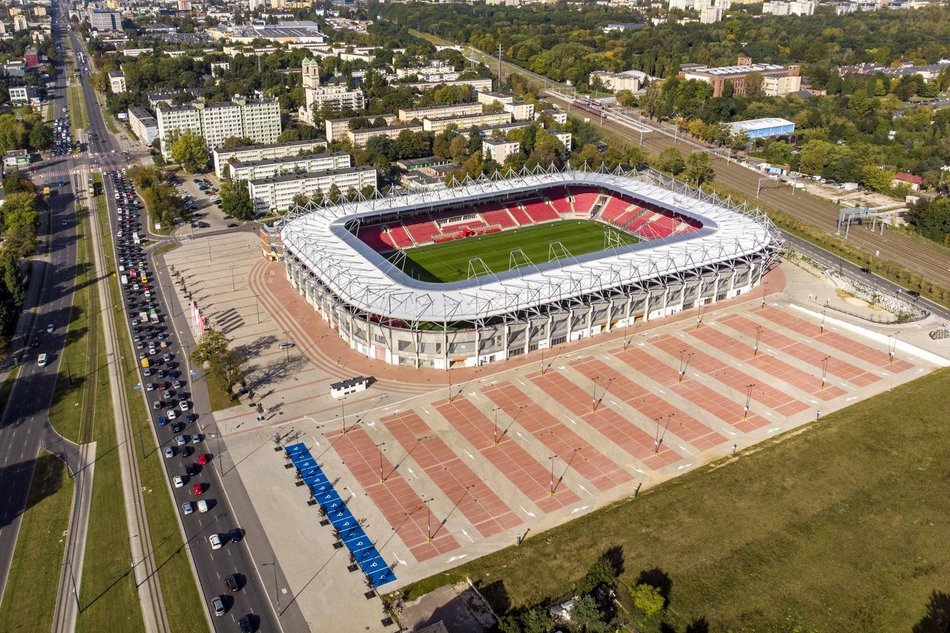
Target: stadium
(499, 267)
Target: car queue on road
(165, 384)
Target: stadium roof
(365, 280)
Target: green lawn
(841, 526)
(82, 411)
(30, 594)
(449, 261)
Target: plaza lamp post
(684, 364)
(824, 370)
(892, 346)
(427, 500)
(758, 336)
(552, 458)
(748, 400)
(593, 399)
(382, 477)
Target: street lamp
(427, 500)
(748, 399)
(824, 370)
(495, 426)
(552, 458)
(382, 478)
(892, 346)
(758, 335)
(684, 364)
(273, 564)
(593, 400)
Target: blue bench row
(354, 538)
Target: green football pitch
(449, 261)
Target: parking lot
(201, 195)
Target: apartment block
(116, 81)
(256, 120)
(270, 195)
(268, 168)
(252, 153)
(777, 81)
(336, 129)
(479, 84)
(359, 137)
(406, 114)
(795, 7)
(103, 20)
(465, 121)
(498, 149)
(144, 125)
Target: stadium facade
(695, 250)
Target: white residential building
(465, 121)
(358, 138)
(499, 149)
(795, 7)
(143, 124)
(270, 195)
(336, 129)
(251, 153)
(268, 168)
(439, 111)
(630, 80)
(338, 97)
(116, 81)
(711, 15)
(253, 119)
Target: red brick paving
(762, 394)
(616, 428)
(514, 462)
(652, 406)
(803, 351)
(479, 504)
(402, 507)
(557, 437)
(768, 363)
(878, 357)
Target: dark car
(231, 582)
(246, 625)
(865, 270)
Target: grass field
(838, 527)
(449, 261)
(82, 411)
(30, 594)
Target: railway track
(925, 259)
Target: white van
(41, 360)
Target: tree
(698, 169)
(224, 364)
(236, 200)
(41, 137)
(586, 616)
(12, 280)
(236, 141)
(670, 160)
(190, 150)
(648, 601)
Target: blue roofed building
(763, 128)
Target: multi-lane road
(24, 425)
(244, 556)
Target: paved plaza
(442, 467)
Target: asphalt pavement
(24, 425)
(245, 545)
